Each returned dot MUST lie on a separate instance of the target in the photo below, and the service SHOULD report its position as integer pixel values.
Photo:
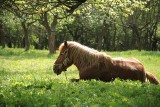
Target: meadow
(27, 80)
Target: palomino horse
(97, 65)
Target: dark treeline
(103, 25)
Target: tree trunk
(52, 37)
(2, 35)
(114, 38)
(51, 32)
(154, 37)
(137, 35)
(107, 36)
(51, 41)
(26, 37)
(99, 37)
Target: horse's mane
(86, 56)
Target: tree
(108, 25)
(26, 10)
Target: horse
(93, 64)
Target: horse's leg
(92, 72)
(84, 75)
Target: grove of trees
(110, 25)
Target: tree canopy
(102, 24)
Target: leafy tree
(26, 11)
(102, 24)
(10, 31)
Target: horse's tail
(152, 78)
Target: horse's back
(126, 60)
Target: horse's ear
(65, 43)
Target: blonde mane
(86, 56)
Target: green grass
(27, 80)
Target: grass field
(27, 80)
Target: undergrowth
(27, 80)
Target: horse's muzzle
(56, 70)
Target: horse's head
(63, 61)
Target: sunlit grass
(27, 79)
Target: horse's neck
(78, 61)
(85, 58)
(78, 67)
(77, 64)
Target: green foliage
(27, 79)
(9, 22)
(122, 24)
